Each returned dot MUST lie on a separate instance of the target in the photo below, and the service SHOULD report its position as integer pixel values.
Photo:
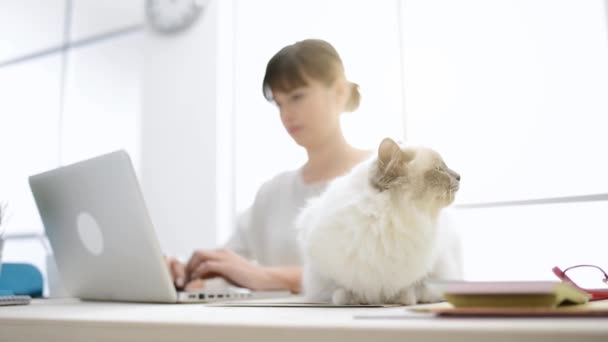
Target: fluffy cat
(374, 235)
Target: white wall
(179, 142)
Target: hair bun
(354, 98)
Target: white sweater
(265, 232)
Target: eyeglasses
(589, 278)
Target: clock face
(170, 16)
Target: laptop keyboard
(210, 296)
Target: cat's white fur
(362, 244)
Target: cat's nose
(458, 177)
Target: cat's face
(416, 172)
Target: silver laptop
(103, 239)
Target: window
(102, 99)
(61, 102)
(29, 134)
(513, 94)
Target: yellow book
(510, 294)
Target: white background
(512, 93)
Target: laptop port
(211, 296)
(220, 296)
(201, 296)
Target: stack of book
(515, 298)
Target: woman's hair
(311, 58)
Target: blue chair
(21, 279)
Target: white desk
(72, 320)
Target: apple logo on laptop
(89, 233)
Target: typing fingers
(201, 256)
(207, 269)
(195, 284)
(178, 272)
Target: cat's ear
(392, 164)
(390, 152)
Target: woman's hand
(224, 263)
(177, 270)
(235, 269)
(179, 276)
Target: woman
(306, 81)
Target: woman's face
(311, 114)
